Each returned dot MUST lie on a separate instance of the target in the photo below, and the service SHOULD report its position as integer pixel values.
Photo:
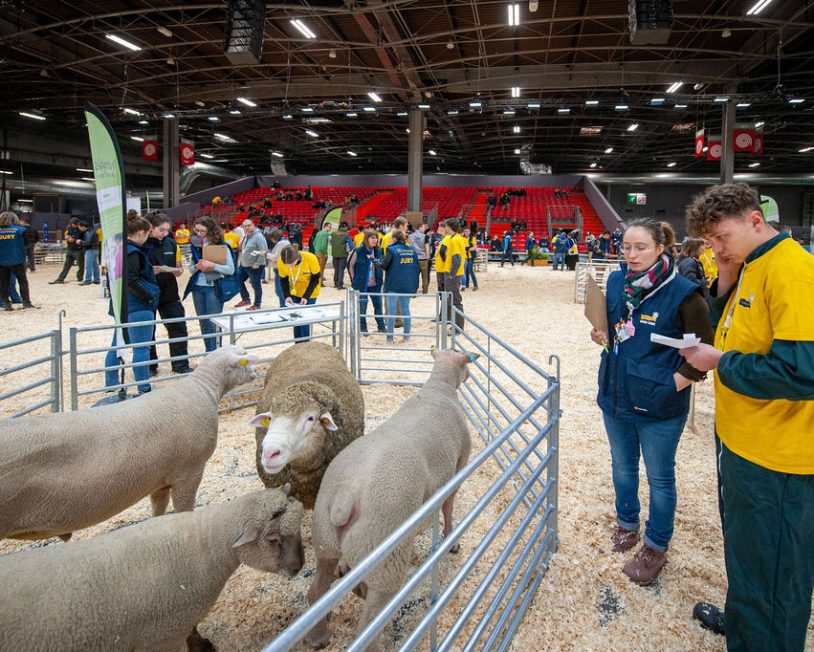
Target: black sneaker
(7, 307)
(710, 617)
(56, 282)
(28, 304)
(153, 371)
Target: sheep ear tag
(327, 422)
(472, 356)
(261, 420)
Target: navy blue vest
(146, 279)
(361, 270)
(637, 381)
(12, 245)
(402, 277)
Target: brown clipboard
(596, 306)
(215, 253)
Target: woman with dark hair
(204, 274)
(644, 387)
(141, 294)
(689, 265)
(366, 277)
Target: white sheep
(147, 586)
(66, 471)
(310, 410)
(378, 481)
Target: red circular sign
(149, 149)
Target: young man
(762, 305)
(252, 265)
(421, 244)
(321, 240)
(507, 249)
(456, 254)
(441, 258)
(182, 235)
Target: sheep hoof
(454, 549)
(319, 640)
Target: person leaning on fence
(456, 253)
(165, 255)
(252, 265)
(141, 296)
(761, 305)
(204, 274)
(299, 278)
(366, 277)
(644, 388)
(401, 278)
(12, 259)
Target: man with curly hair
(762, 306)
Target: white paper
(689, 340)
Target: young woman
(644, 387)
(471, 238)
(689, 265)
(141, 295)
(204, 274)
(401, 278)
(366, 274)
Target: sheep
(310, 410)
(66, 471)
(378, 481)
(146, 586)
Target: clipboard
(596, 306)
(215, 254)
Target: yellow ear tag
(244, 362)
(432, 348)
(324, 422)
(266, 422)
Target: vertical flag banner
(715, 147)
(699, 143)
(149, 150)
(110, 197)
(187, 154)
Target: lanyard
(732, 303)
(291, 273)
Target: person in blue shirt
(12, 258)
(507, 249)
(562, 243)
(400, 280)
(366, 277)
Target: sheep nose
(270, 455)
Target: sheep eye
(310, 419)
(278, 513)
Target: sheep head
(271, 539)
(452, 366)
(298, 426)
(233, 363)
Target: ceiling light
(407, 131)
(743, 105)
(452, 112)
(516, 129)
(234, 112)
(726, 33)
(170, 61)
(590, 130)
(759, 6)
(475, 105)
(671, 164)
(205, 155)
(131, 111)
(374, 96)
(350, 153)
(199, 103)
(352, 114)
(656, 101)
(369, 109)
(534, 5)
(698, 86)
(517, 151)
(680, 106)
(759, 124)
(706, 147)
(609, 150)
(621, 107)
(564, 110)
(278, 154)
(83, 170)
(593, 165)
(720, 99)
(143, 122)
(432, 152)
(514, 15)
(633, 127)
(88, 179)
(754, 165)
(509, 112)
(533, 105)
(805, 149)
(674, 87)
(224, 138)
(25, 201)
(515, 91)
(423, 106)
(307, 109)
(213, 118)
(591, 102)
(302, 28)
(246, 101)
(6, 172)
(137, 138)
(163, 30)
(123, 42)
(287, 116)
(796, 100)
(450, 45)
(313, 134)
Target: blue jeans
(377, 309)
(12, 290)
(254, 276)
(658, 441)
(469, 272)
(403, 304)
(206, 303)
(559, 259)
(92, 266)
(133, 335)
(278, 288)
(302, 333)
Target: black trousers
(29, 256)
(174, 329)
(5, 276)
(339, 271)
(73, 256)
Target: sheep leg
(185, 490)
(160, 499)
(376, 599)
(320, 634)
(197, 643)
(446, 510)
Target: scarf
(639, 284)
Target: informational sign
(771, 213)
(334, 217)
(637, 198)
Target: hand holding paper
(689, 340)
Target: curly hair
(214, 234)
(719, 203)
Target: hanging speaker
(243, 43)
(651, 21)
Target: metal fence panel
(31, 378)
(600, 270)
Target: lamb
(145, 586)
(66, 471)
(378, 481)
(310, 410)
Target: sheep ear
(251, 530)
(244, 360)
(434, 352)
(327, 422)
(261, 420)
(287, 488)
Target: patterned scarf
(639, 284)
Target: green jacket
(321, 242)
(340, 243)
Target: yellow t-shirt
(385, 241)
(357, 239)
(232, 239)
(775, 302)
(182, 236)
(300, 275)
(457, 246)
(441, 266)
(710, 266)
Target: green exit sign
(637, 198)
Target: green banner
(771, 212)
(110, 197)
(334, 217)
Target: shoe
(475, 289)
(463, 289)
(85, 283)
(56, 282)
(390, 340)
(645, 565)
(28, 304)
(381, 330)
(153, 371)
(252, 308)
(264, 282)
(365, 333)
(184, 370)
(7, 307)
(406, 338)
(624, 539)
(710, 617)
(243, 304)
(97, 282)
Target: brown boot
(645, 565)
(623, 539)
